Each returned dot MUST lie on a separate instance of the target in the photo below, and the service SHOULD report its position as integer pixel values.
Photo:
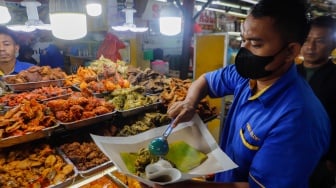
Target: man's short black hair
(327, 22)
(290, 17)
(5, 31)
(324, 21)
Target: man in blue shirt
(52, 57)
(8, 50)
(276, 130)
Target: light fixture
(129, 25)
(225, 4)
(228, 12)
(5, 17)
(251, 1)
(93, 7)
(33, 21)
(170, 20)
(67, 19)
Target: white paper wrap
(194, 132)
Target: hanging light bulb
(5, 17)
(170, 20)
(129, 25)
(93, 7)
(33, 21)
(67, 19)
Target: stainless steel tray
(95, 169)
(88, 121)
(65, 96)
(70, 180)
(133, 111)
(32, 85)
(14, 140)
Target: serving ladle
(159, 145)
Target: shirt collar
(271, 92)
(253, 85)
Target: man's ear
(17, 48)
(293, 51)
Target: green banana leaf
(183, 156)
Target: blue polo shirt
(276, 138)
(20, 66)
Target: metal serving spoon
(159, 145)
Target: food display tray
(65, 96)
(134, 111)
(88, 121)
(32, 85)
(95, 169)
(70, 180)
(14, 140)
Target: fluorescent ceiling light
(229, 12)
(245, 8)
(202, 1)
(5, 17)
(216, 10)
(238, 34)
(237, 14)
(225, 4)
(250, 1)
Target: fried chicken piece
(67, 169)
(50, 161)
(58, 105)
(33, 77)
(78, 100)
(88, 114)
(101, 110)
(63, 116)
(92, 104)
(33, 69)
(76, 112)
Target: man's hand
(181, 111)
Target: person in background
(233, 48)
(320, 72)
(26, 54)
(8, 50)
(276, 130)
(52, 57)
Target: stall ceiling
(317, 7)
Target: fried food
(78, 107)
(33, 166)
(29, 116)
(85, 155)
(35, 74)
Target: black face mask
(253, 66)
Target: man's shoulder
(23, 64)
